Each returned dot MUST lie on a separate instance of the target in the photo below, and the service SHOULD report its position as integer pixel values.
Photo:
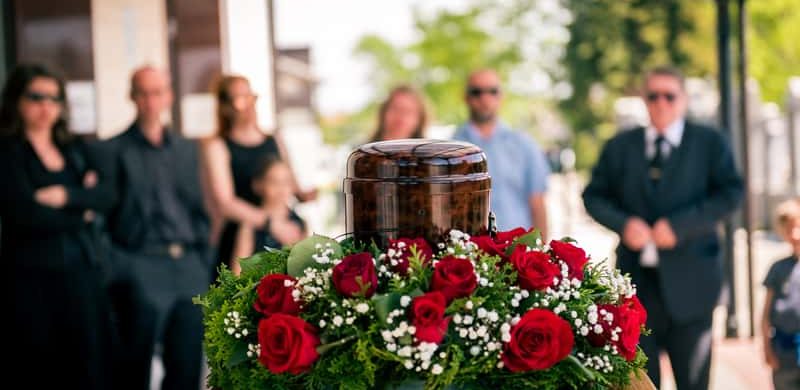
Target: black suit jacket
(128, 221)
(699, 187)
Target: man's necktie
(657, 162)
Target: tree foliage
(450, 45)
(603, 51)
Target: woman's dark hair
(16, 86)
(226, 113)
(422, 120)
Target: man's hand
(636, 233)
(54, 196)
(663, 235)
(90, 179)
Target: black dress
(58, 311)
(245, 163)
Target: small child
(273, 183)
(780, 324)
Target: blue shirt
(518, 170)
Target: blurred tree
(774, 28)
(449, 46)
(613, 43)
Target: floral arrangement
(505, 311)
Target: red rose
(629, 317)
(427, 315)
(538, 341)
(274, 296)
(355, 276)
(403, 246)
(500, 243)
(572, 255)
(534, 269)
(453, 277)
(288, 344)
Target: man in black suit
(664, 189)
(159, 236)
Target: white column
(126, 34)
(247, 51)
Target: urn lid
(417, 160)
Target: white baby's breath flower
(437, 369)
(362, 308)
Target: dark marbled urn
(416, 188)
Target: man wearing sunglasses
(664, 189)
(516, 164)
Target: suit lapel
(640, 164)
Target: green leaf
(527, 239)
(238, 356)
(584, 370)
(301, 258)
(253, 262)
(385, 303)
(324, 348)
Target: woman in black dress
(231, 159)
(49, 191)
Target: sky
(333, 27)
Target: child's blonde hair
(786, 212)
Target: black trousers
(152, 303)
(688, 344)
(59, 327)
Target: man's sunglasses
(652, 97)
(477, 92)
(37, 97)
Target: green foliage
(773, 47)
(450, 45)
(613, 43)
(302, 254)
(356, 355)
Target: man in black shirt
(159, 235)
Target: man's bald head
(151, 92)
(147, 74)
(483, 96)
(483, 76)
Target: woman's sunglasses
(37, 97)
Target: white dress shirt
(673, 135)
